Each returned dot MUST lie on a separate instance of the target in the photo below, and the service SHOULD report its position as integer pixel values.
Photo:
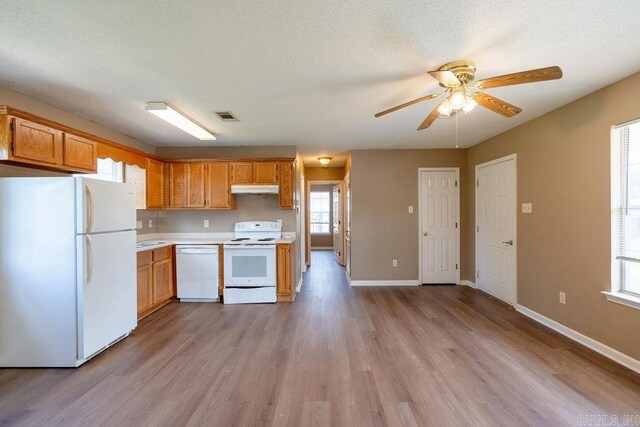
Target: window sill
(622, 298)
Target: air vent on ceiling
(226, 116)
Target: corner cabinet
(155, 280)
(285, 276)
(287, 184)
(33, 143)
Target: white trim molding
(597, 346)
(384, 283)
(468, 283)
(299, 284)
(622, 298)
(321, 248)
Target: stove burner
(240, 239)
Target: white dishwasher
(197, 273)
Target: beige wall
(324, 174)
(284, 151)
(383, 184)
(564, 245)
(264, 207)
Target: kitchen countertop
(170, 239)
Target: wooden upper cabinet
(79, 153)
(287, 185)
(220, 196)
(34, 143)
(242, 173)
(265, 173)
(155, 184)
(196, 185)
(177, 177)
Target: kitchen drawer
(144, 258)
(162, 254)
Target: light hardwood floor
(337, 356)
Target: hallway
(441, 355)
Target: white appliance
(250, 263)
(67, 269)
(255, 189)
(197, 273)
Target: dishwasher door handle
(197, 251)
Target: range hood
(255, 189)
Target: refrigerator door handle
(89, 208)
(89, 260)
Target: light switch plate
(206, 223)
(395, 262)
(527, 208)
(410, 209)
(138, 225)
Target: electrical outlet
(138, 225)
(527, 208)
(150, 223)
(563, 298)
(410, 209)
(206, 223)
(395, 262)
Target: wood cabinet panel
(265, 173)
(220, 196)
(161, 254)
(242, 173)
(145, 289)
(178, 185)
(35, 143)
(196, 185)
(162, 281)
(155, 184)
(284, 273)
(79, 153)
(287, 185)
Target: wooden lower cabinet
(285, 282)
(155, 279)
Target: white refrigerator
(67, 269)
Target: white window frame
(617, 293)
(315, 222)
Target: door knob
(425, 234)
(510, 243)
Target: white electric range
(250, 263)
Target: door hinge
(456, 225)
(13, 147)
(456, 183)
(11, 126)
(456, 266)
(478, 274)
(477, 228)
(478, 183)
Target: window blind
(628, 206)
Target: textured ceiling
(307, 73)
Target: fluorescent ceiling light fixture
(324, 161)
(165, 112)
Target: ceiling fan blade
(496, 105)
(530, 76)
(446, 78)
(406, 104)
(430, 118)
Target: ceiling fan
(456, 76)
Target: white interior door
(338, 239)
(347, 222)
(496, 228)
(439, 217)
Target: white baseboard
(348, 276)
(603, 349)
(384, 283)
(299, 284)
(468, 283)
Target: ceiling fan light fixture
(457, 100)
(324, 161)
(470, 105)
(445, 108)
